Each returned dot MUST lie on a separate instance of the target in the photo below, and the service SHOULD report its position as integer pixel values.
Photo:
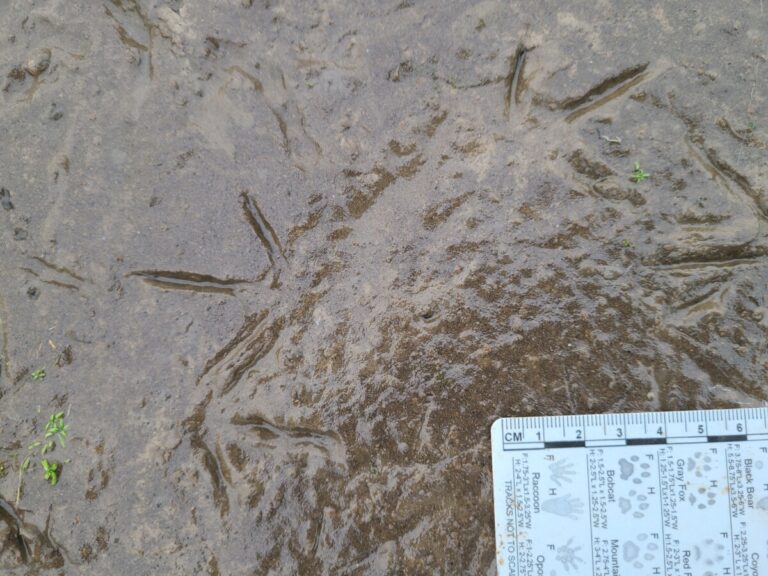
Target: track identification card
(643, 494)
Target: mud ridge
(192, 281)
(243, 352)
(514, 81)
(602, 87)
(262, 228)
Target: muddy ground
(285, 262)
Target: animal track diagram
(561, 471)
(568, 557)
(654, 502)
(700, 466)
(641, 553)
(634, 470)
(636, 503)
(711, 554)
(566, 506)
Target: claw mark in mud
(262, 228)
(194, 426)
(5, 362)
(281, 123)
(191, 281)
(514, 82)
(259, 87)
(9, 516)
(255, 82)
(724, 173)
(60, 269)
(739, 179)
(34, 546)
(329, 443)
(243, 352)
(126, 38)
(602, 87)
(722, 256)
(214, 468)
(683, 265)
(726, 126)
(701, 302)
(745, 136)
(615, 86)
(51, 282)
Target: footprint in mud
(700, 464)
(640, 553)
(636, 503)
(634, 470)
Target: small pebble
(55, 113)
(38, 63)
(5, 199)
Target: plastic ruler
(642, 494)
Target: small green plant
(38, 374)
(50, 471)
(55, 429)
(638, 174)
(56, 426)
(626, 243)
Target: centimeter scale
(644, 494)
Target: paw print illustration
(634, 470)
(568, 557)
(641, 553)
(566, 506)
(711, 554)
(700, 464)
(561, 471)
(636, 503)
(702, 498)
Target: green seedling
(638, 174)
(626, 243)
(55, 429)
(50, 471)
(56, 426)
(38, 374)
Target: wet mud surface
(285, 262)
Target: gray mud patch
(285, 263)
